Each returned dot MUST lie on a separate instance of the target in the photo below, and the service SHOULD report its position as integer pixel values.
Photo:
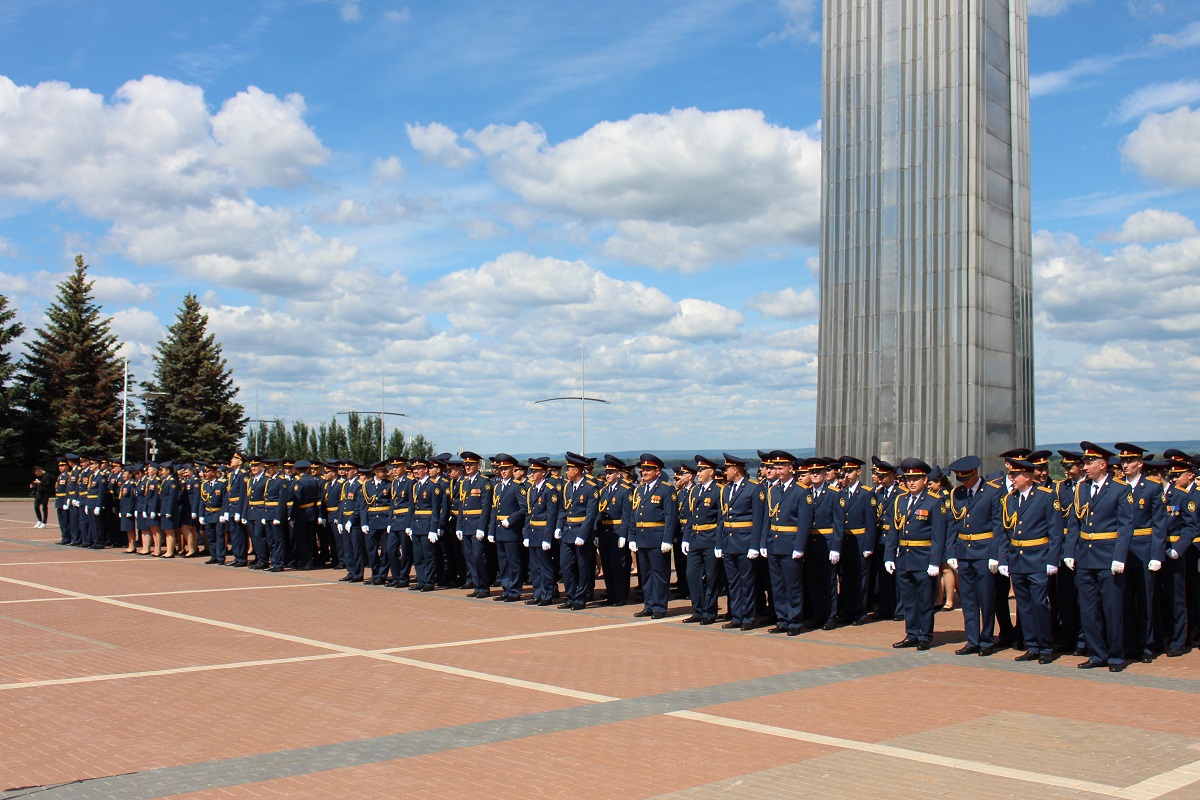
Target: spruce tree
(197, 415)
(10, 329)
(72, 376)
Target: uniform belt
(916, 543)
(258, 502)
(331, 508)
(618, 522)
(822, 531)
(708, 526)
(740, 524)
(377, 509)
(538, 523)
(1094, 536)
(235, 499)
(427, 512)
(786, 528)
(974, 537)
(1143, 531)
(1172, 539)
(401, 510)
(577, 520)
(471, 512)
(310, 505)
(856, 531)
(1029, 542)
(651, 524)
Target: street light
(250, 432)
(125, 395)
(583, 401)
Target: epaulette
(993, 484)
(755, 481)
(1121, 481)
(1154, 479)
(1045, 489)
(935, 493)
(835, 488)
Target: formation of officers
(1101, 563)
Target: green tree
(72, 375)
(197, 415)
(10, 420)
(395, 443)
(419, 447)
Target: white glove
(632, 546)
(579, 541)
(834, 556)
(932, 571)
(459, 534)
(866, 554)
(525, 543)
(492, 539)
(479, 534)
(1051, 569)
(545, 545)
(1172, 554)
(1154, 565)
(237, 517)
(504, 522)
(620, 542)
(796, 554)
(718, 553)
(433, 537)
(320, 522)
(1004, 570)
(993, 566)
(389, 528)
(752, 554)
(1117, 567)
(202, 520)
(686, 548)
(365, 529)
(408, 532)
(952, 563)
(762, 551)
(558, 533)
(889, 567)
(1070, 562)
(665, 547)
(96, 512)
(75, 503)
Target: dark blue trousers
(787, 589)
(393, 545)
(541, 573)
(853, 571)
(276, 543)
(578, 564)
(977, 594)
(355, 545)
(214, 537)
(376, 560)
(1173, 585)
(237, 541)
(740, 574)
(702, 566)
(820, 581)
(473, 559)
(1033, 607)
(615, 561)
(423, 559)
(916, 600)
(1139, 606)
(654, 576)
(1101, 611)
(508, 560)
(258, 537)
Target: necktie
(1020, 500)
(1095, 489)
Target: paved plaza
(132, 677)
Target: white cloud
(439, 144)
(1166, 147)
(138, 331)
(387, 170)
(349, 11)
(1058, 80)
(682, 190)
(398, 15)
(801, 20)
(1188, 37)
(1158, 97)
(114, 289)
(7, 248)
(1049, 8)
(700, 320)
(1153, 225)
(786, 304)
(264, 139)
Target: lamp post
(583, 401)
(125, 395)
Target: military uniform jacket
(861, 517)
(655, 514)
(212, 499)
(577, 515)
(916, 536)
(61, 498)
(541, 512)
(1065, 491)
(425, 515)
(237, 493)
(976, 530)
(508, 503)
(170, 499)
(614, 512)
(140, 507)
(401, 503)
(127, 502)
(1179, 507)
(375, 503)
(95, 492)
(474, 504)
(1101, 528)
(72, 492)
(448, 509)
(331, 493)
(306, 493)
(885, 498)
(256, 497)
(789, 518)
(1149, 521)
(829, 515)
(1031, 541)
(742, 513)
(704, 514)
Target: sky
(455, 209)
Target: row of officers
(1101, 563)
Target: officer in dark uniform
(376, 508)
(306, 497)
(274, 516)
(398, 546)
(473, 509)
(784, 539)
(739, 532)
(577, 520)
(542, 499)
(972, 548)
(1068, 636)
(1147, 551)
(234, 510)
(507, 525)
(916, 540)
(614, 514)
(886, 490)
(1099, 536)
(350, 522)
(858, 544)
(823, 553)
(655, 522)
(700, 541)
(684, 481)
(1179, 503)
(328, 531)
(1029, 555)
(423, 521)
(212, 504)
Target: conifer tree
(72, 376)
(10, 420)
(197, 415)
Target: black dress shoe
(967, 650)
(731, 625)
(571, 605)
(274, 569)
(429, 587)
(499, 598)
(1116, 667)
(1046, 658)
(712, 620)
(795, 631)
(1027, 656)
(777, 629)
(905, 643)
(655, 615)
(533, 601)
(639, 614)
(693, 618)
(512, 599)
(988, 650)
(377, 581)
(923, 646)
(747, 626)
(544, 602)
(1090, 664)
(1175, 652)
(211, 561)
(401, 584)
(238, 564)
(343, 579)
(860, 621)
(1147, 658)
(414, 587)
(1079, 651)
(829, 626)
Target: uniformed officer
(473, 508)
(1008, 632)
(1068, 636)
(655, 521)
(398, 546)
(823, 553)
(237, 495)
(212, 503)
(127, 505)
(1147, 551)
(423, 523)
(306, 494)
(328, 523)
(684, 480)
(542, 506)
(1029, 555)
(376, 514)
(883, 584)
(507, 525)
(577, 520)
(916, 539)
(1099, 536)
(739, 532)
(62, 503)
(972, 548)
(700, 541)
(614, 515)
(784, 537)
(350, 523)
(274, 516)
(1179, 502)
(860, 527)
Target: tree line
(66, 394)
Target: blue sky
(460, 199)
